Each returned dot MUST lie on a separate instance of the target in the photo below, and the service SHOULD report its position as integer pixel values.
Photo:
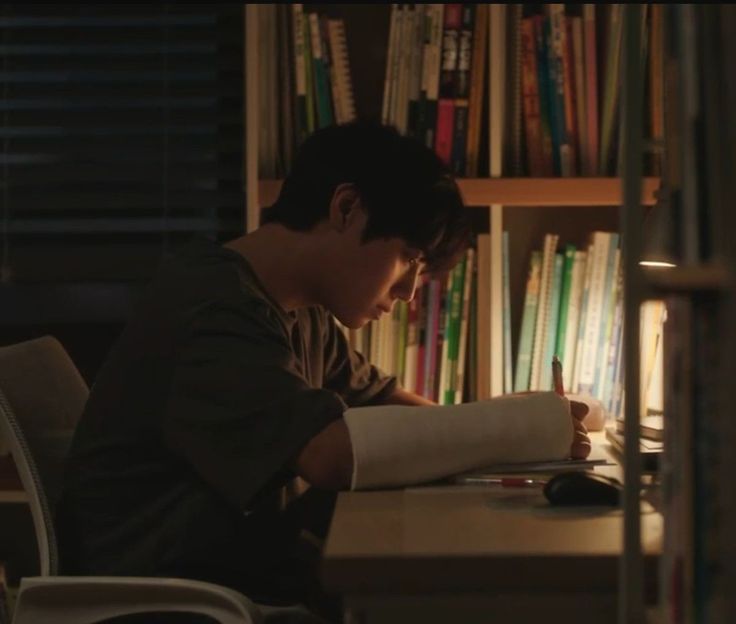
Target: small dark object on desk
(581, 487)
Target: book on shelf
(557, 106)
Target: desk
(478, 554)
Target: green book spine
(528, 322)
(545, 378)
(452, 334)
(564, 302)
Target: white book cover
(573, 316)
(433, 51)
(345, 100)
(541, 329)
(594, 316)
(577, 364)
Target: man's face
(371, 277)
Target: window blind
(121, 136)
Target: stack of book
(573, 309)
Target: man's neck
(274, 253)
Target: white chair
(42, 396)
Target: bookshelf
(525, 206)
(530, 206)
(697, 573)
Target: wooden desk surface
(470, 538)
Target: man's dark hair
(405, 188)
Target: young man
(233, 378)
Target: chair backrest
(42, 396)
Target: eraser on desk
(596, 417)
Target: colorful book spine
(430, 345)
(448, 82)
(528, 322)
(579, 341)
(462, 89)
(606, 313)
(452, 333)
(431, 72)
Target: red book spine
(530, 99)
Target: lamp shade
(659, 244)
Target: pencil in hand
(557, 376)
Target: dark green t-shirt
(178, 462)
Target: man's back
(178, 461)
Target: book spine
(341, 65)
(320, 72)
(416, 71)
(607, 313)
(542, 322)
(610, 93)
(528, 321)
(312, 122)
(530, 100)
(462, 89)
(545, 375)
(575, 385)
(556, 56)
(401, 103)
(483, 309)
(560, 343)
(508, 372)
(591, 89)
(477, 76)
(471, 376)
(300, 74)
(578, 53)
(448, 82)
(422, 320)
(614, 342)
(452, 332)
(573, 317)
(568, 71)
(549, 159)
(601, 245)
(390, 54)
(431, 71)
(464, 325)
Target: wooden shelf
(687, 278)
(524, 191)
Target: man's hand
(580, 447)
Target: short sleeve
(239, 410)
(350, 374)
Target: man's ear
(344, 206)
